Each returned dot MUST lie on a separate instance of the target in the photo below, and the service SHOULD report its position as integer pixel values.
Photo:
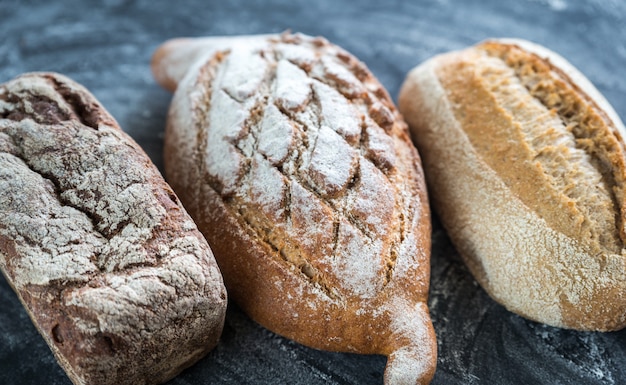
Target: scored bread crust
(525, 163)
(314, 201)
(111, 269)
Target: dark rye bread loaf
(297, 167)
(111, 269)
(526, 164)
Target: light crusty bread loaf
(300, 172)
(111, 269)
(525, 162)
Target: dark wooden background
(107, 46)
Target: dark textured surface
(107, 48)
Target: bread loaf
(298, 169)
(111, 269)
(525, 162)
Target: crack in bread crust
(107, 263)
(544, 134)
(592, 135)
(494, 126)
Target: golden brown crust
(314, 201)
(532, 193)
(111, 269)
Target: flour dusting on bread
(111, 269)
(322, 196)
(526, 162)
(256, 108)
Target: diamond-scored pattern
(299, 143)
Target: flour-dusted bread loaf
(111, 269)
(298, 169)
(525, 162)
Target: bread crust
(320, 223)
(111, 269)
(525, 162)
